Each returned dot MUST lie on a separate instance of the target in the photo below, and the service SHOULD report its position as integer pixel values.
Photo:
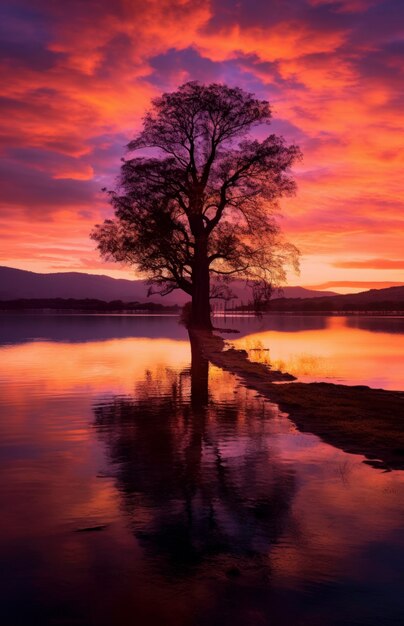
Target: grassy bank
(356, 419)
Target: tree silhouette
(192, 505)
(201, 198)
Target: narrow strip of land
(356, 419)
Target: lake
(138, 490)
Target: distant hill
(85, 305)
(391, 298)
(15, 284)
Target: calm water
(138, 491)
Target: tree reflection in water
(199, 477)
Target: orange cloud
(372, 264)
(76, 82)
(356, 284)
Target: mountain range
(388, 299)
(16, 283)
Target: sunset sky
(78, 75)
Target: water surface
(136, 490)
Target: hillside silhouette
(16, 284)
(388, 299)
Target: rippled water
(138, 491)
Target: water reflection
(386, 325)
(24, 327)
(214, 509)
(201, 483)
(349, 350)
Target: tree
(200, 200)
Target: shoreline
(357, 419)
(176, 312)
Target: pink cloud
(356, 284)
(77, 79)
(372, 264)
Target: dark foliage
(88, 304)
(201, 198)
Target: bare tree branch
(205, 202)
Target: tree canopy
(200, 197)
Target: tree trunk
(199, 373)
(200, 317)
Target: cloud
(39, 194)
(345, 6)
(77, 77)
(371, 264)
(356, 284)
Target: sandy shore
(356, 419)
